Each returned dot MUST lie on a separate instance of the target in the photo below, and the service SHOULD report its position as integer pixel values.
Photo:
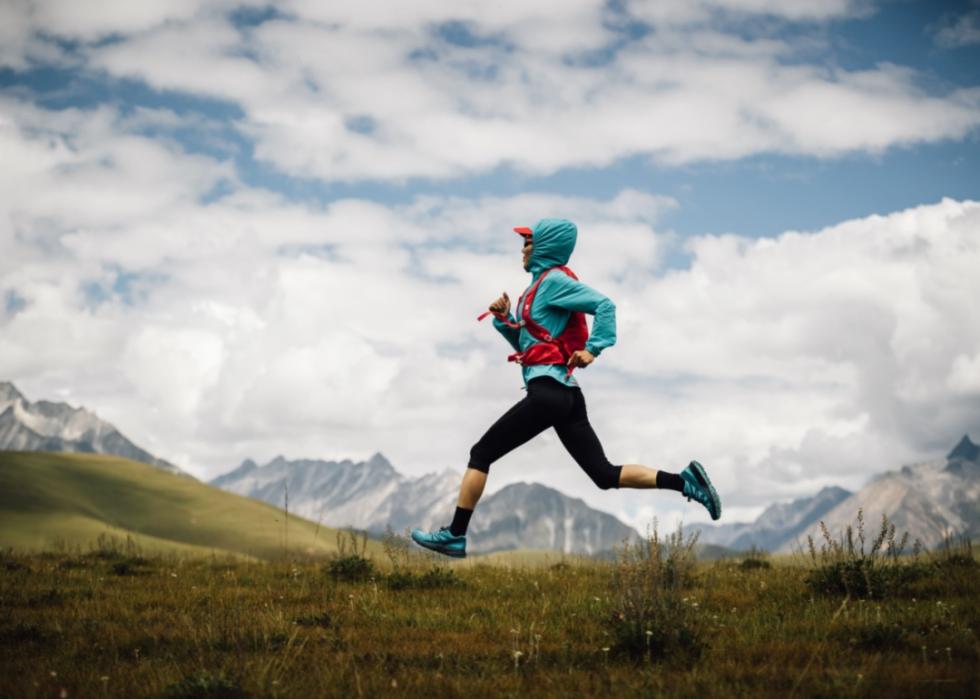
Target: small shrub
(21, 633)
(350, 563)
(400, 580)
(955, 553)
(72, 564)
(755, 559)
(845, 567)
(130, 566)
(10, 562)
(438, 577)
(48, 598)
(109, 547)
(652, 618)
(352, 568)
(876, 636)
(322, 619)
(432, 579)
(205, 685)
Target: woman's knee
(479, 459)
(606, 475)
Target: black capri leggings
(548, 404)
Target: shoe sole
(702, 476)
(451, 554)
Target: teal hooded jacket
(557, 297)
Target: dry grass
(117, 622)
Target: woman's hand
(501, 305)
(581, 358)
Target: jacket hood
(554, 240)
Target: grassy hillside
(50, 500)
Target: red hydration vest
(548, 349)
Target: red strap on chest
(548, 349)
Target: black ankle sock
(670, 481)
(461, 520)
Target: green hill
(49, 500)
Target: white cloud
(377, 92)
(691, 11)
(250, 326)
(963, 30)
(964, 375)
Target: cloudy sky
(237, 230)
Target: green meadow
(339, 615)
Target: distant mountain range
(372, 495)
(47, 426)
(929, 500)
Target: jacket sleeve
(572, 295)
(512, 335)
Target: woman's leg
(471, 488)
(546, 401)
(583, 444)
(578, 437)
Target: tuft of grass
(846, 567)
(205, 685)
(655, 617)
(755, 559)
(955, 553)
(350, 564)
(432, 579)
(323, 620)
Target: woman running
(551, 340)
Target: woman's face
(526, 250)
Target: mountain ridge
(930, 500)
(372, 495)
(59, 427)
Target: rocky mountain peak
(56, 426)
(378, 460)
(9, 392)
(965, 450)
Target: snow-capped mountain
(47, 426)
(372, 495)
(928, 500)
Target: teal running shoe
(697, 486)
(441, 541)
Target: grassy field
(114, 621)
(50, 501)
